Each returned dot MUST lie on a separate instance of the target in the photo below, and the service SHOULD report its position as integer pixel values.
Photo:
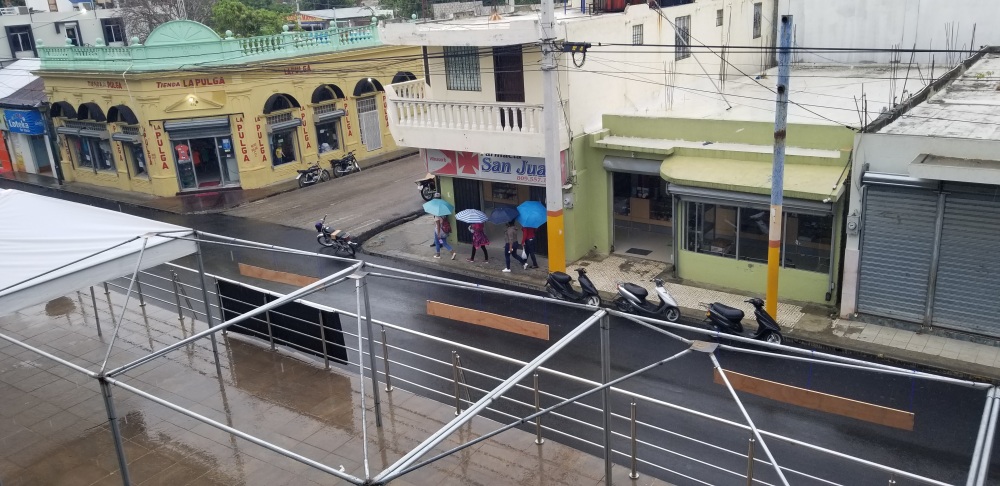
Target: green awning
(803, 181)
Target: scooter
(427, 187)
(632, 299)
(339, 240)
(346, 165)
(725, 319)
(312, 175)
(559, 286)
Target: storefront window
(328, 137)
(712, 229)
(283, 147)
(642, 198)
(91, 152)
(137, 158)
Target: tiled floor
(966, 351)
(54, 431)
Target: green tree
(245, 20)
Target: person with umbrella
(440, 209)
(476, 218)
(531, 215)
(510, 247)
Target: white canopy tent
(50, 247)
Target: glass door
(186, 175)
(227, 159)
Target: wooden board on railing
(823, 402)
(276, 276)
(488, 319)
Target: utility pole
(778, 169)
(550, 122)
(298, 15)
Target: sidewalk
(811, 326)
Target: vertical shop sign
(385, 109)
(260, 141)
(158, 133)
(305, 132)
(347, 119)
(241, 136)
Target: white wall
(44, 27)
(884, 24)
(43, 5)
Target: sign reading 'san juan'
(492, 167)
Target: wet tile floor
(54, 429)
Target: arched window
(326, 115)
(366, 86)
(279, 102)
(282, 128)
(128, 136)
(90, 111)
(403, 76)
(327, 92)
(62, 109)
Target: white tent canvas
(50, 247)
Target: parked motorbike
(427, 187)
(345, 165)
(340, 240)
(725, 319)
(632, 299)
(559, 286)
(312, 175)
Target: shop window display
(641, 198)
(91, 152)
(742, 233)
(283, 147)
(327, 136)
(137, 159)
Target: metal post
(633, 474)
(267, 319)
(750, 463)
(322, 338)
(606, 394)
(984, 465)
(116, 433)
(385, 362)
(778, 169)
(981, 437)
(138, 290)
(454, 372)
(892, 480)
(177, 297)
(363, 287)
(97, 319)
(222, 313)
(538, 420)
(553, 159)
(208, 307)
(935, 258)
(111, 307)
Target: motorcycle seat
(304, 171)
(636, 290)
(561, 277)
(730, 313)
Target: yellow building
(192, 111)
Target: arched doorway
(366, 93)
(328, 110)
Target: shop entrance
(40, 154)
(203, 151)
(643, 216)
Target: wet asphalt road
(947, 416)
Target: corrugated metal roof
(30, 96)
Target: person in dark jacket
(528, 240)
(510, 246)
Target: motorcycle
(340, 240)
(559, 286)
(724, 319)
(632, 299)
(346, 165)
(427, 187)
(312, 175)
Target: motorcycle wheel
(672, 314)
(324, 175)
(622, 304)
(345, 249)
(774, 338)
(302, 182)
(593, 300)
(552, 292)
(325, 241)
(427, 193)
(336, 170)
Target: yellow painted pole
(557, 241)
(778, 170)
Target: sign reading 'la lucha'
(491, 167)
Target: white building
(888, 24)
(24, 31)
(924, 216)
(479, 104)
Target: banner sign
(512, 169)
(24, 121)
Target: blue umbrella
(532, 214)
(503, 215)
(438, 207)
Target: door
(186, 176)
(40, 154)
(896, 251)
(227, 157)
(371, 132)
(508, 76)
(541, 234)
(967, 290)
(467, 196)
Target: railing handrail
(502, 104)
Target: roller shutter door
(967, 294)
(897, 245)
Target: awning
(882, 179)
(124, 137)
(330, 115)
(802, 181)
(83, 132)
(284, 125)
(103, 245)
(632, 165)
(717, 196)
(67, 130)
(955, 169)
(215, 126)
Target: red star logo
(468, 162)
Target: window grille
(461, 67)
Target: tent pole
(208, 307)
(97, 319)
(116, 433)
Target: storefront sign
(260, 145)
(191, 83)
(301, 68)
(106, 84)
(241, 137)
(305, 133)
(490, 167)
(158, 134)
(24, 121)
(347, 120)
